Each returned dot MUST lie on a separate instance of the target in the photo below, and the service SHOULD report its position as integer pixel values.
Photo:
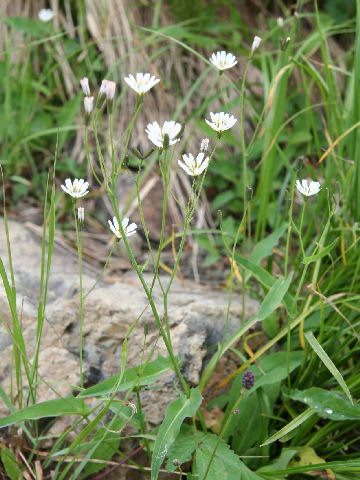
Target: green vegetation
(297, 102)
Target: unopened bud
(280, 22)
(166, 141)
(88, 107)
(102, 93)
(110, 94)
(176, 462)
(256, 44)
(299, 163)
(81, 217)
(204, 144)
(284, 43)
(137, 153)
(249, 193)
(84, 82)
(146, 329)
(248, 379)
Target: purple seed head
(248, 379)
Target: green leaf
(299, 137)
(320, 352)
(291, 426)
(222, 199)
(327, 403)
(265, 247)
(151, 373)
(274, 296)
(324, 251)
(176, 412)
(12, 467)
(182, 448)
(32, 27)
(264, 277)
(225, 464)
(52, 408)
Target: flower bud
(204, 144)
(166, 141)
(102, 93)
(88, 107)
(284, 43)
(249, 193)
(137, 153)
(248, 379)
(81, 217)
(256, 44)
(110, 94)
(176, 462)
(84, 82)
(181, 131)
(280, 22)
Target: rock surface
(196, 315)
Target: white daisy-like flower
(221, 121)
(46, 14)
(308, 188)
(142, 83)
(84, 82)
(256, 43)
(128, 229)
(156, 133)
(77, 188)
(194, 167)
(223, 60)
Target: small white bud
(84, 82)
(204, 144)
(256, 44)
(110, 90)
(280, 22)
(88, 104)
(81, 214)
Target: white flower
(103, 87)
(204, 144)
(280, 22)
(46, 14)
(308, 188)
(128, 229)
(76, 189)
(84, 82)
(194, 167)
(88, 104)
(156, 133)
(256, 43)
(223, 60)
(142, 83)
(221, 121)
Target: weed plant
(291, 409)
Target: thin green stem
(79, 248)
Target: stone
(196, 316)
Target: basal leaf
(151, 373)
(176, 412)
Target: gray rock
(196, 316)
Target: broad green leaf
(51, 408)
(281, 462)
(274, 296)
(12, 467)
(291, 426)
(324, 251)
(151, 373)
(225, 464)
(32, 27)
(265, 247)
(222, 199)
(327, 403)
(182, 448)
(320, 352)
(263, 276)
(176, 412)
